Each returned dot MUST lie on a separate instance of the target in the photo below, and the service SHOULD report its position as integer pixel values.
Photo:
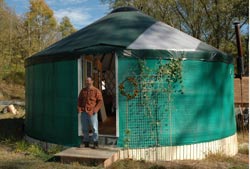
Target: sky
(80, 12)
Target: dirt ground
(12, 158)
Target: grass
(243, 136)
(243, 140)
(219, 157)
(32, 149)
(23, 155)
(25, 148)
(9, 160)
(240, 161)
(244, 149)
(128, 163)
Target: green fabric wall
(51, 102)
(205, 111)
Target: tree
(20, 37)
(10, 58)
(41, 26)
(66, 28)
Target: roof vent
(124, 9)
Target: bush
(26, 148)
(55, 149)
(21, 146)
(15, 78)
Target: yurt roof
(127, 28)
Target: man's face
(89, 82)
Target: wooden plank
(89, 153)
(104, 155)
(103, 113)
(111, 160)
(84, 161)
(245, 90)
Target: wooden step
(90, 156)
(105, 140)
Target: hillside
(10, 91)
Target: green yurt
(166, 94)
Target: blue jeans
(87, 121)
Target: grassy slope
(10, 91)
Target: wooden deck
(91, 156)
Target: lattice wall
(148, 116)
(205, 112)
(109, 77)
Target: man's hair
(90, 77)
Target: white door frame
(80, 66)
(117, 95)
(80, 86)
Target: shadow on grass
(16, 164)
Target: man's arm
(99, 101)
(79, 101)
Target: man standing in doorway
(89, 103)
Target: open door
(102, 69)
(108, 83)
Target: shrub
(15, 78)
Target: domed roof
(127, 28)
(124, 9)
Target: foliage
(41, 25)
(66, 28)
(14, 78)
(9, 57)
(169, 72)
(21, 146)
(133, 82)
(35, 149)
(172, 71)
(23, 36)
